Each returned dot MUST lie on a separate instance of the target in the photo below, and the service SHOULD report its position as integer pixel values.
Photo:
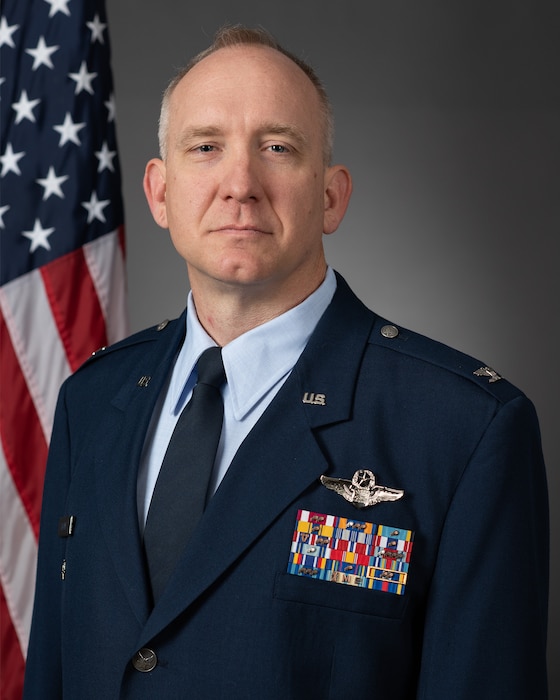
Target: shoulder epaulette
(414, 344)
(143, 336)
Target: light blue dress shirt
(256, 363)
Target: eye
(278, 148)
(205, 148)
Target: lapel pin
(361, 491)
(487, 372)
(144, 381)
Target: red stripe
(24, 444)
(75, 306)
(122, 241)
(11, 658)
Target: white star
(6, 33)
(111, 108)
(24, 108)
(97, 28)
(52, 184)
(3, 210)
(58, 6)
(10, 161)
(39, 237)
(42, 54)
(83, 79)
(105, 157)
(95, 208)
(68, 131)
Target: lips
(250, 229)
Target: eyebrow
(279, 129)
(197, 132)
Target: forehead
(246, 78)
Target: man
(376, 523)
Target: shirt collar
(257, 360)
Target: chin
(245, 271)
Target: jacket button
(144, 660)
(389, 331)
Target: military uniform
(381, 533)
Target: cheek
(301, 200)
(181, 203)
(190, 196)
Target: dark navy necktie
(181, 488)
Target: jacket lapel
(117, 457)
(279, 459)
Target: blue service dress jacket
(288, 590)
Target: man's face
(244, 190)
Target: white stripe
(18, 556)
(106, 265)
(36, 342)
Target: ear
(338, 188)
(154, 189)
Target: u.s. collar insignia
(362, 490)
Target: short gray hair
(238, 35)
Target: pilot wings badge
(362, 490)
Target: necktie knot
(210, 368)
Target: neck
(227, 311)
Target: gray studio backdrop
(448, 117)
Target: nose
(241, 178)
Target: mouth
(241, 230)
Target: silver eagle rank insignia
(489, 373)
(362, 490)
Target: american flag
(62, 276)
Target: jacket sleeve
(43, 673)
(486, 617)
